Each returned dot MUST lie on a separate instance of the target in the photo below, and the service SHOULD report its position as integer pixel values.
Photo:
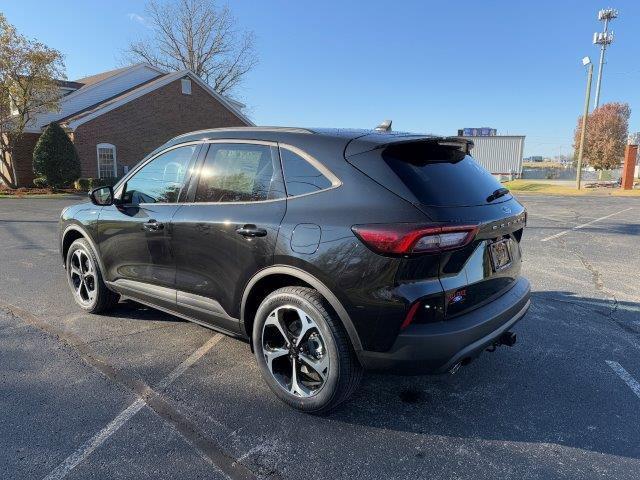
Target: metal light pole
(604, 39)
(586, 61)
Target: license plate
(500, 255)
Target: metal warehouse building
(500, 154)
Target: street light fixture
(586, 61)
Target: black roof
(351, 141)
(275, 133)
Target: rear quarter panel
(364, 282)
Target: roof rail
(249, 129)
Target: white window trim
(115, 157)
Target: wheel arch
(71, 234)
(301, 277)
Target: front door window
(160, 180)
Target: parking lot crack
(216, 453)
(596, 276)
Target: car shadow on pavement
(554, 386)
(132, 310)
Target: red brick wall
(140, 126)
(23, 158)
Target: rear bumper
(439, 346)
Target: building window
(186, 86)
(107, 167)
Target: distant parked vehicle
(331, 251)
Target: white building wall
(500, 154)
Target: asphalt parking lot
(139, 394)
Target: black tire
(101, 298)
(344, 372)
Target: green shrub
(83, 184)
(40, 182)
(55, 157)
(89, 183)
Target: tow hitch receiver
(507, 338)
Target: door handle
(153, 226)
(251, 231)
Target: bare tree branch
(199, 36)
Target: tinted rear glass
(300, 176)
(441, 175)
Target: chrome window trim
(335, 181)
(240, 140)
(186, 204)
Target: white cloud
(134, 17)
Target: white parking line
(631, 382)
(564, 232)
(123, 417)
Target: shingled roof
(98, 77)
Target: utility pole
(586, 61)
(604, 39)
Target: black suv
(331, 251)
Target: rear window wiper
(501, 192)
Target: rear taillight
(406, 239)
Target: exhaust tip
(453, 370)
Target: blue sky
(429, 66)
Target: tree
(28, 72)
(606, 135)
(199, 36)
(55, 158)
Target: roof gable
(75, 120)
(112, 83)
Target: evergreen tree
(55, 158)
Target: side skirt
(160, 299)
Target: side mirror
(102, 196)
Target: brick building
(116, 118)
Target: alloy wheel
(82, 275)
(295, 351)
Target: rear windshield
(441, 175)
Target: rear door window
(239, 173)
(441, 175)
